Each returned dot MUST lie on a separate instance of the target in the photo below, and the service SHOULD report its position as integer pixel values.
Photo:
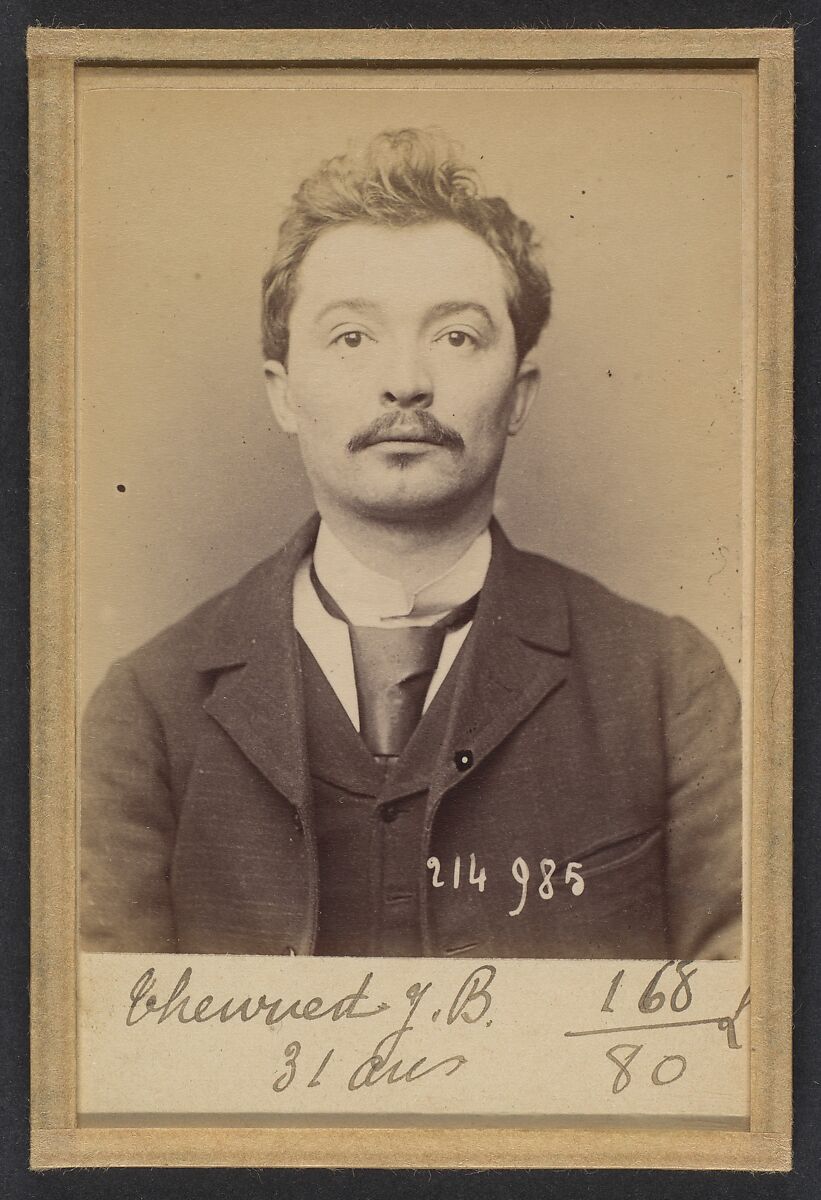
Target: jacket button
(297, 819)
(463, 760)
(389, 812)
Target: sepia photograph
(417, 440)
(296, 765)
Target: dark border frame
(14, 596)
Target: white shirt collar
(368, 598)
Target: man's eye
(457, 338)
(350, 338)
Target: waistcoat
(370, 848)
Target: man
(400, 735)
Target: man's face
(402, 381)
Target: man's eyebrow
(355, 303)
(447, 308)
(450, 308)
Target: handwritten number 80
(521, 873)
(660, 1076)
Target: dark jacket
(597, 732)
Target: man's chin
(401, 504)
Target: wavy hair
(404, 177)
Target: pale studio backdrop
(630, 466)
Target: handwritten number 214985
(521, 873)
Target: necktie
(393, 669)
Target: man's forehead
(437, 263)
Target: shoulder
(175, 661)
(640, 663)
(222, 630)
(589, 601)
(603, 622)
(194, 633)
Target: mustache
(423, 427)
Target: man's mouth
(425, 431)
(403, 435)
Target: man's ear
(525, 387)
(279, 395)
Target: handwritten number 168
(653, 998)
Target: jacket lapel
(257, 697)
(516, 655)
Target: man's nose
(408, 383)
